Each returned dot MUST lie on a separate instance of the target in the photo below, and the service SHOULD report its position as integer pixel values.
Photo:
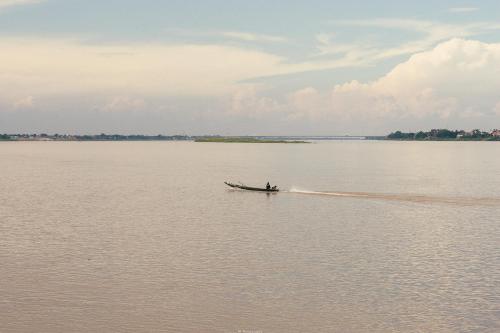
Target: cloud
(250, 37)
(357, 53)
(10, 3)
(61, 67)
(497, 109)
(24, 103)
(457, 80)
(431, 33)
(246, 102)
(463, 9)
(228, 35)
(124, 104)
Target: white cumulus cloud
(458, 79)
(452, 77)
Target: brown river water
(365, 236)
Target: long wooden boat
(248, 188)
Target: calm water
(145, 237)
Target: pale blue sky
(245, 67)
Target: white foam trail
(333, 194)
(461, 201)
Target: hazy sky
(248, 67)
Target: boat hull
(248, 188)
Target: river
(366, 236)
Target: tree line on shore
(98, 137)
(445, 134)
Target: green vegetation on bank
(221, 139)
(446, 135)
(94, 137)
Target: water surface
(145, 237)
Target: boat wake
(424, 199)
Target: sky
(248, 67)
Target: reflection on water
(146, 237)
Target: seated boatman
(268, 186)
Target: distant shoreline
(90, 138)
(243, 140)
(444, 140)
(200, 138)
(434, 135)
(446, 135)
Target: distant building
(496, 133)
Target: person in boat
(268, 186)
